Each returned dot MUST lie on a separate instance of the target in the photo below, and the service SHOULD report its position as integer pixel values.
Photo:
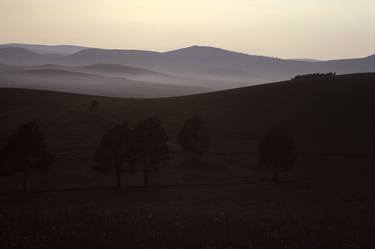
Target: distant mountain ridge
(208, 67)
(218, 64)
(46, 49)
(305, 60)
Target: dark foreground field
(259, 215)
(326, 201)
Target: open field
(259, 215)
(326, 201)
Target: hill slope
(205, 63)
(16, 56)
(221, 65)
(327, 111)
(327, 117)
(55, 79)
(46, 49)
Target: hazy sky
(320, 29)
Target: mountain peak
(197, 50)
(214, 53)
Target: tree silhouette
(5, 169)
(114, 152)
(26, 150)
(194, 139)
(277, 151)
(315, 76)
(94, 106)
(150, 146)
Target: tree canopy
(150, 146)
(94, 106)
(193, 138)
(114, 152)
(26, 150)
(277, 150)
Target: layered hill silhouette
(46, 49)
(197, 66)
(81, 80)
(325, 115)
(219, 64)
(21, 56)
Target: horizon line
(179, 48)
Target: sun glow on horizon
(287, 29)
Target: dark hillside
(327, 117)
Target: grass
(258, 215)
(325, 202)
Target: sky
(320, 29)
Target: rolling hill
(219, 64)
(58, 50)
(104, 79)
(208, 67)
(57, 79)
(21, 56)
(140, 74)
(320, 113)
(331, 119)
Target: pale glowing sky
(322, 29)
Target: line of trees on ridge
(315, 76)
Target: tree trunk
(24, 179)
(194, 161)
(145, 178)
(118, 180)
(275, 174)
(119, 175)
